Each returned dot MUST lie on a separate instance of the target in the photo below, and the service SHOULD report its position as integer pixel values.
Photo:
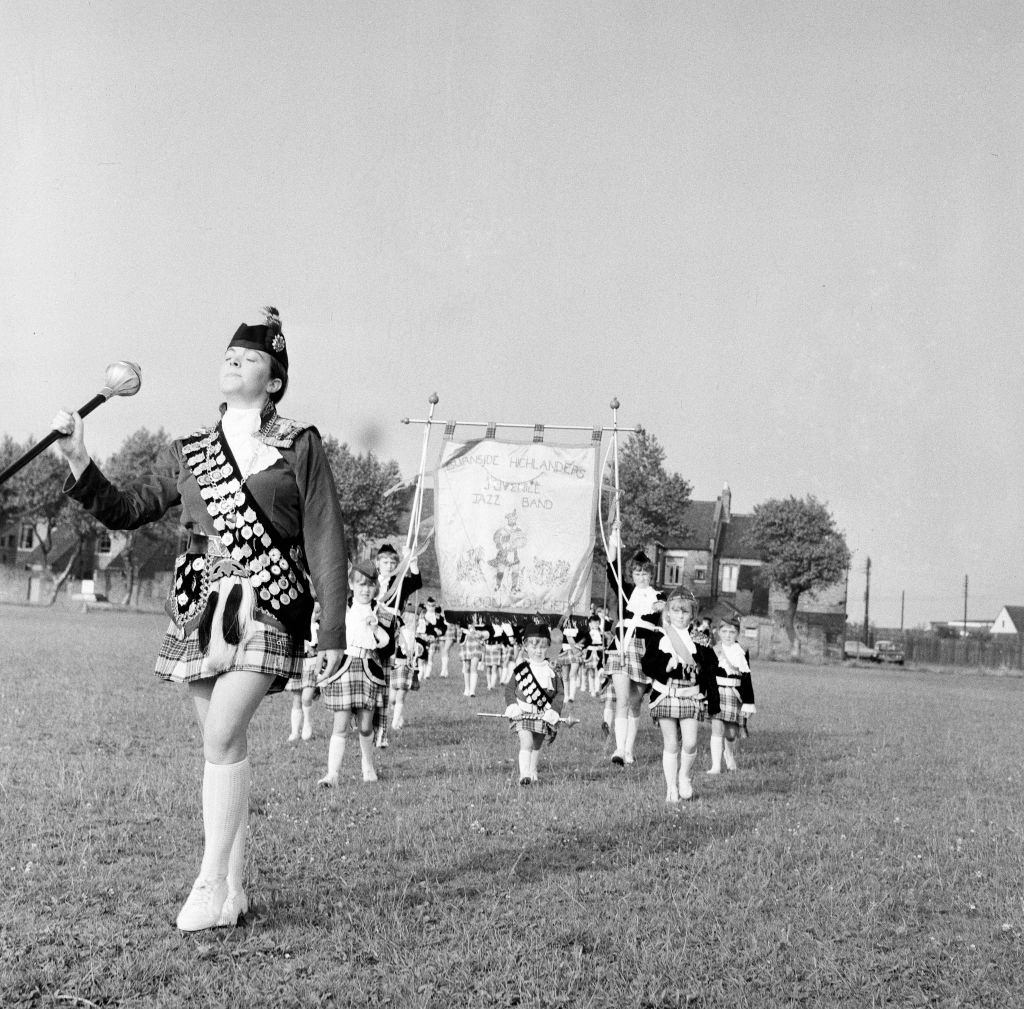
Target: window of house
(700, 574)
(730, 575)
(673, 573)
(104, 544)
(27, 537)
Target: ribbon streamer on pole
(123, 379)
(412, 547)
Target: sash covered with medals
(247, 546)
(531, 689)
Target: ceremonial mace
(123, 379)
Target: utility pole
(867, 596)
(903, 602)
(965, 606)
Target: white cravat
(240, 428)
(734, 653)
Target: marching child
(303, 690)
(494, 653)
(430, 630)
(573, 658)
(510, 648)
(643, 605)
(355, 688)
(684, 691)
(408, 652)
(473, 654)
(533, 696)
(736, 690)
(452, 636)
(592, 642)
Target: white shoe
(369, 774)
(204, 905)
(293, 737)
(685, 789)
(328, 781)
(714, 770)
(730, 763)
(672, 798)
(629, 759)
(307, 731)
(235, 907)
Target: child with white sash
(736, 690)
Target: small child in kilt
(303, 690)
(408, 652)
(354, 689)
(473, 649)
(494, 653)
(533, 696)
(736, 690)
(683, 691)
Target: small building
(1009, 621)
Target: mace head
(122, 379)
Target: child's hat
(386, 549)
(536, 630)
(366, 568)
(730, 621)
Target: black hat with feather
(267, 337)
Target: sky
(785, 236)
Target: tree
(802, 550)
(138, 455)
(37, 495)
(652, 502)
(362, 482)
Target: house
(717, 562)
(1009, 621)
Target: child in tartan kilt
(452, 636)
(430, 630)
(684, 691)
(473, 650)
(533, 697)
(639, 643)
(494, 654)
(736, 690)
(354, 689)
(304, 690)
(408, 652)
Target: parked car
(889, 651)
(859, 650)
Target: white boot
(335, 755)
(366, 751)
(685, 763)
(632, 727)
(225, 802)
(670, 765)
(619, 756)
(716, 754)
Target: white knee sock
(716, 754)
(236, 858)
(534, 757)
(525, 759)
(335, 755)
(632, 726)
(397, 719)
(296, 722)
(670, 765)
(473, 676)
(307, 718)
(685, 763)
(728, 748)
(620, 734)
(366, 752)
(225, 803)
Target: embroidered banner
(514, 526)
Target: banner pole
(412, 536)
(617, 526)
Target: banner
(514, 526)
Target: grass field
(870, 852)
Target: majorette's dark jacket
(296, 493)
(410, 584)
(650, 636)
(703, 672)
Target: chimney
(726, 503)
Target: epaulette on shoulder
(201, 432)
(281, 432)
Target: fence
(978, 653)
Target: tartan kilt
(508, 652)
(592, 661)
(493, 654)
(311, 666)
(636, 649)
(730, 705)
(354, 690)
(679, 708)
(401, 676)
(562, 664)
(533, 723)
(269, 651)
(471, 650)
